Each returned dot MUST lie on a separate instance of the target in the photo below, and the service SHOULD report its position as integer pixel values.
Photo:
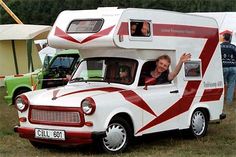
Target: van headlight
(88, 106)
(21, 103)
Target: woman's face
(144, 31)
(162, 65)
(123, 74)
(133, 29)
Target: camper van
(98, 106)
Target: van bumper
(72, 137)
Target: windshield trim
(135, 64)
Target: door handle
(174, 91)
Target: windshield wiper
(99, 77)
(102, 79)
(77, 79)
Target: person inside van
(145, 29)
(142, 29)
(133, 28)
(161, 72)
(124, 74)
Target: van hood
(68, 96)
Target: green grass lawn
(219, 142)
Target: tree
(46, 11)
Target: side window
(145, 72)
(94, 69)
(61, 66)
(85, 26)
(62, 62)
(140, 28)
(193, 70)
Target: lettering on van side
(212, 84)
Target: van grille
(56, 116)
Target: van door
(160, 98)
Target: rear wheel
(199, 123)
(118, 135)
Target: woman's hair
(127, 69)
(166, 57)
(124, 68)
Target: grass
(219, 142)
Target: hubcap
(116, 137)
(198, 123)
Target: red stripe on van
(208, 51)
(181, 106)
(135, 99)
(105, 89)
(183, 31)
(99, 34)
(211, 94)
(175, 30)
(61, 34)
(123, 30)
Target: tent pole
(10, 12)
(29, 52)
(14, 55)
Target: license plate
(50, 134)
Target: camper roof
(103, 28)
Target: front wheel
(118, 135)
(199, 123)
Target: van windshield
(111, 70)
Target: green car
(54, 73)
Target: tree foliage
(46, 11)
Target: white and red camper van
(97, 106)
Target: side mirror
(149, 81)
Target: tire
(199, 124)
(118, 136)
